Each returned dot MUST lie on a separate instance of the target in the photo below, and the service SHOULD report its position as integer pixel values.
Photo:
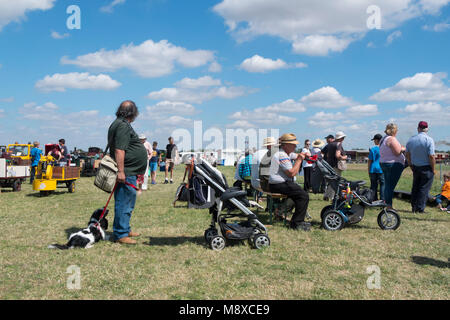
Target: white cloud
(17, 11)
(319, 45)
(56, 35)
(110, 7)
(287, 106)
(365, 110)
(205, 81)
(215, 67)
(262, 117)
(394, 35)
(60, 82)
(317, 27)
(198, 91)
(258, 64)
(438, 27)
(326, 97)
(169, 107)
(241, 124)
(149, 59)
(2, 113)
(428, 107)
(46, 112)
(418, 88)
(9, 99)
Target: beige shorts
(170, 163)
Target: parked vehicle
(49, 174)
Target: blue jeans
(375, 179)
(440, 198)
(124, 201)
(422, 182)
(392, 173)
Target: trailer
(12, 175)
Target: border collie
(87, 237)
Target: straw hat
(288, 138)
(269, 141)
(340, 135)
(318, 143)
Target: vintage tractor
(90, 161)
(49, 174)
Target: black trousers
(298, 195)
(307, 176)
(422, 182)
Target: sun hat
(142, 136)
(269, 141)
(340, 135)
(288, 138)
(318, 143)
(377, 137)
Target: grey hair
(127, 110)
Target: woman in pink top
(392, 161)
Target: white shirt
(305, 163)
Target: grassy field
(172, 261)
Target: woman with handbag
(338, 160)
(392, 161)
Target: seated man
(281, 180)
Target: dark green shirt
(122, 136)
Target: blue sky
(301, 66)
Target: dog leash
(109, 199)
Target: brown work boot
(126, 240)
(134, 234)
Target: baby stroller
(226, 202)
(350, 201)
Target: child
(445, 194)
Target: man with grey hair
(131, 157)
(421, 158)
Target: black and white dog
(87, 237)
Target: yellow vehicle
(49, 175)
(21, 151)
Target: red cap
(423, 125)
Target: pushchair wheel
(332, 221)
(209, 233)
(388, 220)
(261, 241)
(324, 210)
(217, 243)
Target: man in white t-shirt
(281, 180)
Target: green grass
(171, 260)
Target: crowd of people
(273, 169)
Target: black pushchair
(350, 201)
(227, 203)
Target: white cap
(340, 135)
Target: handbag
(106, 176)
(342, 165)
